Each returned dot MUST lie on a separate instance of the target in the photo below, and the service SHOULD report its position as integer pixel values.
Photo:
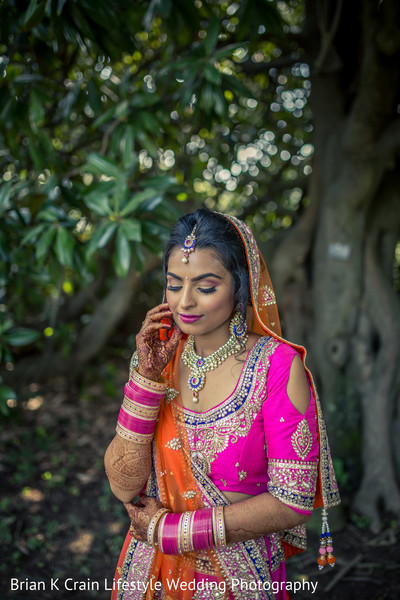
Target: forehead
(202, 260)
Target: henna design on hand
(141, 516)
(154, 353)
(127, 464)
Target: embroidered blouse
(256, 440)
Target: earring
(238, 326)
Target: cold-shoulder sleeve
(291, 437)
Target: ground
(60, 524)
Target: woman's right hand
(153, 353)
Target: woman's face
(199, 292)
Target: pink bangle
(186, 532)
(139, 411)
(168, 533)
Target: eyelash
(176, 288)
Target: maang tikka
(189, 245)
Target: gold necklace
(200, 366)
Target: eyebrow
(196, 278)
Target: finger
(160, 315)
(158, 308)
(131, 509)
(175, 337)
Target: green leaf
(137, 200)
(149, 122)
(132, 229)
(101, 237)
(64, 247)
(159, 182)
(212, 36)
(104, 117)
(45, 241)
(100, 165)
(122, 258)
(147, 143)
(122, 109)
(207, 97)
(36, 110)
(5, 189)
(212, 74)
(94, 95)
(21, 336)
(227, 51)
(120, 195)
(99, 203)
(129, 157)
(34, 13)
(6, 325)
(49, 214)
(36, 154)
(32, 234)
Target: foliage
(114, 113)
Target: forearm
(258, 516)
(128, 467)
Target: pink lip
(190, 318)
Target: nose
(187, 298)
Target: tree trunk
(347, 277)
(356, 313)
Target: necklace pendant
(195, 397)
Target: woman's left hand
(140, 516)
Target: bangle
(139, 411)
(186, 532)
(148, 385)
(153, 524)
(218, 526)
(168, 533)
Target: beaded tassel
(326, 544)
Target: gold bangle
(153, 524)
(218, 522)
(131, 436)
(148, 384)
(139, 411)
(185, 535)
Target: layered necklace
(200, 366)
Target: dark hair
(216, 232)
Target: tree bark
(346, 273)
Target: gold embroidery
(210, 433)
(189, 494)
(330, 492)
(302, 439)
(174, 444)
(170, 394)
(267, 296)
(242, 475)
(295, 536)
(293, 482)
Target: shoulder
(276, 351)
(279, 356)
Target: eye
(174, 288)
(207, 290)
